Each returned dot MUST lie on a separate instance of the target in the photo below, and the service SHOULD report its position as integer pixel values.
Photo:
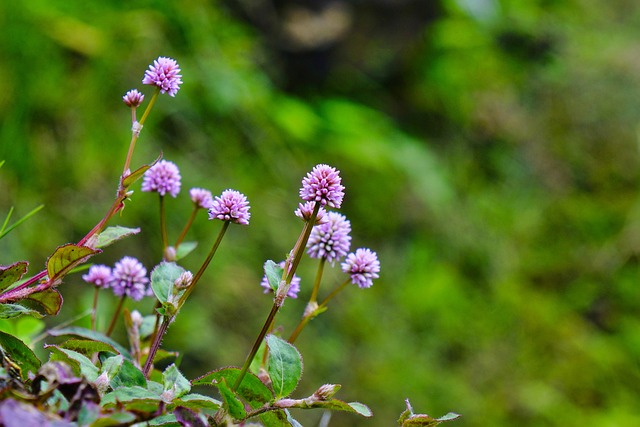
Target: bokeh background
(490, 154)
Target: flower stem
(96, 292)
(187, 226)
(156, 345)
(163, 225)
(316, 284)
(134, 135)
(114, 319)
(205, 264)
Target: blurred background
(490, 154)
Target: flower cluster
(230, 206)
(305, 211)
(293, 289)
(330, 240)
(133, 98)
(128, 277)
(201, 197)
(363, 266)
(322, 185)
(163, 177)
(165, 74)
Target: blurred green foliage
(489, 152)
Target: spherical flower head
(305, 211)
(231, 206)
(130, 279)
(363, 266)
(332, 240)
(322, 185)
(163, 177)
(99, 275)
(201, 197)
(133, 98)
(293, 289)
(164, 73)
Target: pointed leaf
(128, 376)
(231, 400)
(48, 301)
(285, 366)
(9, 274)
(10, 311)
(19, 354)
(198, 401)
(87, 347)
(137, 174)
(175, 382)
(4, 230)
(185, 249)
(251, 389)
(274, 274)
(114, 419)
(111, 235)
(65, 258)
(163, 277)
(89, 334)
(80, 362)
(133, 398)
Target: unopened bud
(184, 280)
(136, 318)
(326, 391)
(170, 254)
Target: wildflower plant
(90, 379)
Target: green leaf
(137, 174)
(409, 419)
(187, 417)
(111, 235)
(89, 334)
(4, 230)
(274, 274)
(10, 311)
(65, 258)
(19, 354)
(185, 249)
(113, 419)
(163, 420)
(134, 398)
(80, 362)
(12, 273)
(48, 301)
(128, 376)
(198, 401)
(163, 278)
(112, 365)
(175, 382)
(251, 389)
(231, 400)
(87, 347)
(285, 366)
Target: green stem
(316, 284)
(187, 226)
(114, 319)
(163, 225)
(204, 265)
(96, 292)
(155, 346)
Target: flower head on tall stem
(133, 98)
(163, 177)
(293, 289)
(99, 275)
(201, 197)
(165, 74)
(363, 266)
(322, 185)
(305, 211)
(130, 279)
(230, 206)
(331, 240)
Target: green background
(490, 156)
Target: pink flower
(164, 73)
(322, 185)
(363, 266)
(231, 206)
